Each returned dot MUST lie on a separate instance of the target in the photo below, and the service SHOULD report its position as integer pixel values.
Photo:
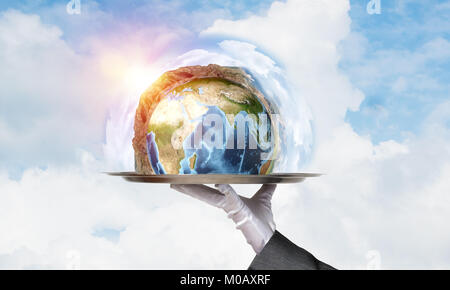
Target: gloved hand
(253, 216)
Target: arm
(281, 254)
(253, 216)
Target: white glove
(253, 216)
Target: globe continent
(210, 125)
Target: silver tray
(215, 178)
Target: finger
(226, 189)
(265, 193)
(232, 202)
(200, 192)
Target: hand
(253, 216)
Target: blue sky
(400, 32)
(392, 57)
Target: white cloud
(54, 98)
(49, 213)
(391, 197)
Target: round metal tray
(215, 178)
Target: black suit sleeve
(282, 254)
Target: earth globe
(205, 120)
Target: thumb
(265, 193)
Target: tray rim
(273, 178)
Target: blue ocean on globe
(227, 158)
